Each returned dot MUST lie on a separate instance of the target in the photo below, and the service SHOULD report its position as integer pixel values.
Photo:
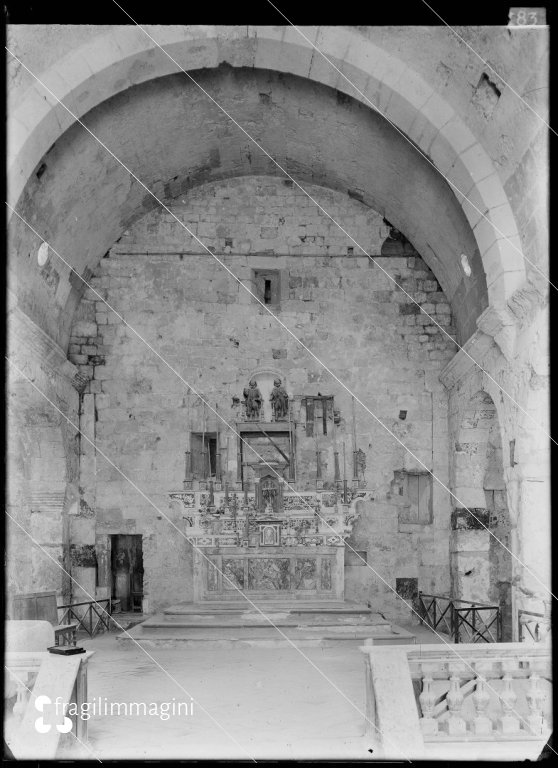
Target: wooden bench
(42, 606)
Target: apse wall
(214, 334)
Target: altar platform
(304, 623)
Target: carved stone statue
(252, 401)
(279, 401)
(268, 497)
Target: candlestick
(227, 458)
(217, 446)
(319, 482)
(204, 455)
(335, 455)
(291, 448)
(187, 469)
(188, 474)
(355, 463)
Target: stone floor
(248, 702)
(259, 702)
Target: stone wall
(42, 468)
(214, 334)
(514, 377)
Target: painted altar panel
(212, 574)
(305, 573)
(270, 573)
(326, 573)
(233, 569)
(284, 572)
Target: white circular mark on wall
(465, 264)
(42, 254)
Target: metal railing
(532, 627)
(463, 620)
(92, 616)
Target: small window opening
(267, 286)
(267, 292)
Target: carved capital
(528, 298)
(501, 325)
(474, 352)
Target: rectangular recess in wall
(407, 588)
(358, 557)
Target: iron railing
(463, 620)
(532, 627)
(93, 616)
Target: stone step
(266, 605)
(255, 620)
(310, 622)
(165, 636)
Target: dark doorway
(127, 570)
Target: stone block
(84, 328)
(430, 285)
(78, 359)
(470, 541)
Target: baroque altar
(251, 530)
(268, 543)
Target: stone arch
(123, 56)
(481, 568)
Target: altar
(295, 550)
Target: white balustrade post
(454, 697)
(481, 699)
(535, 700)
(427, 700)
(509, 721)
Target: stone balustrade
(496, 692)
(38, 676)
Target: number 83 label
(527, 17)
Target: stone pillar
(532, 569)
(82, 528)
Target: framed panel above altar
(262, 446)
